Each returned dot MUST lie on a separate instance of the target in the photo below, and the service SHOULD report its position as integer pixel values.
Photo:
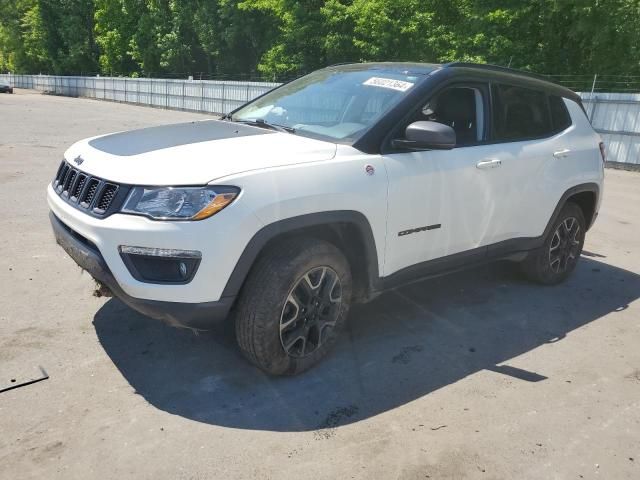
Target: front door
(444, 202)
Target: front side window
(459, 107)
(520, 113)
(336, 105)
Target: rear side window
(559, 114)
(520, 113)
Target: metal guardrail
(616, 116)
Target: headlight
(179, 203)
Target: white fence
(208, 96)
(616, 116)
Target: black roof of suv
(475, 70)
(436, 76)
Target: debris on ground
(15, 383)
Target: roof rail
(498, 68)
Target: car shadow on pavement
(405, 344)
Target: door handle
(493, 163)
(562, 153)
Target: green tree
(67, 34)
(299, 44)
(284, 38)
(22, 37)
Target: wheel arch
(349, 230)
(585, 196)
(587, 201)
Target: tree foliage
(283, 38)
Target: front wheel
(293, 306)
(557, 258)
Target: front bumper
(221, 240)
(179, 314)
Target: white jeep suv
(327, 191)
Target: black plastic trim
(129, 261)
(190, 315)
(290, 225)
(583, 187)
(435, 267)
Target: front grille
(86, 192)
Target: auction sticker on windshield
(399, 85)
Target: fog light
(183, 269)
(160, 265)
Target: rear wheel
(293, 306)
(557, 258)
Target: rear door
(530, 132)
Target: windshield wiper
(259, 122)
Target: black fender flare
(293, 224)
(519, 245)
(583, 187)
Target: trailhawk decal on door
(419, 229)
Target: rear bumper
(87, 256)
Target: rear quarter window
(559, 114)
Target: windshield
(333, 105)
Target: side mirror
(427, 135)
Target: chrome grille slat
(84, 191)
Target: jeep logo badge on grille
(78, 160)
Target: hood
(193, 153)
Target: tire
(293, 306)
(557, 258)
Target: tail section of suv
(327, 191)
